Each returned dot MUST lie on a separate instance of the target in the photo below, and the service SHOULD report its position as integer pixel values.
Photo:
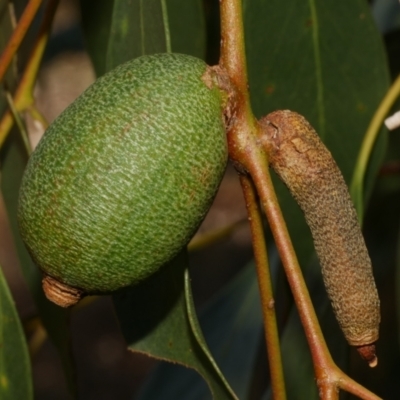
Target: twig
(23, 98)
(18, 35)
(329, 392)
(245, 151)
(266, 292)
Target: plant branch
(357, 183)
(258, 169)
(266, 292)
(233, 58)
(23, 98)
(243, 133)
(18, 35)
(351, 386)
(329, 392)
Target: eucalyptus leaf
(138, 27)
(187, 27)
(234, 343)
(238, 306)
(120, 30)
(15, 368)
(96, 24)
(156, 320)
(117, 30)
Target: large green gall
(122, 179)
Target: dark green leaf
(137, 28)
(156, 320)
(55, 319)
(117, 30)
(234, 343)
(123, 30)
(15, 368)
(323, 59)
(96, 24)
(187, 27)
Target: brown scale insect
(308, 169)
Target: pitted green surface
(122, 179)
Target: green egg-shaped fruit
(122, 179)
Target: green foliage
(15, 369)
(123, 30)
(233, 343)
(158, 318)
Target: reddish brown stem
(18, 35)
(232, 44)
(258, 169)
(328, 391)
(266, 292)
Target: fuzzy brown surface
(308, 169)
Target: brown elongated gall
(308, 169)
